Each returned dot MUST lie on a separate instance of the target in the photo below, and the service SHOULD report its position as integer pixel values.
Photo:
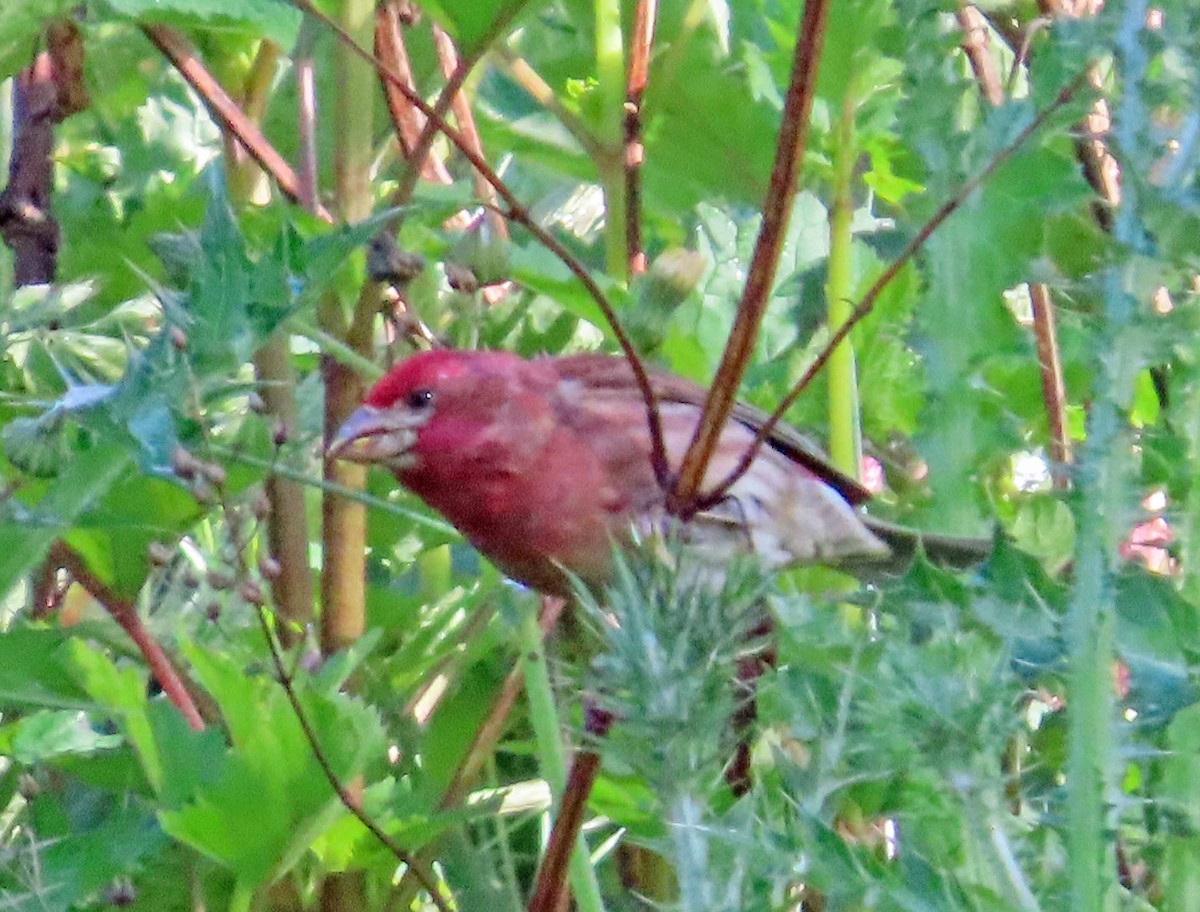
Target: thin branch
(707, 501)
(124, 613)
(1054, 391)
(549, 892)
(407, 120)
(225, 111)
(777, 211)
(514, 211)
(1054, 396)
(976, 44)
(306, 118)
(450, 62)
(641, 41)
(349, 801)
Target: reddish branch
(777, 210)
(27, 223)
(449, 61)
(488, 733)
(976, 45)
(1054, 394)
(640, 43)
(126, 616)
(550, 889)
(407, 119)
(225, 111)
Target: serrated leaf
(269, 765)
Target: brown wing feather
(614, 373)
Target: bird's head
(442, 395)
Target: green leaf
(21, 26)
(35, 670)
(46, 734)
(278, 21)
(269, 766)
(26, 537)
(122, 692)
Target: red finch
(542, 464)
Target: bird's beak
(372, 435)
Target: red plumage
(542, 464)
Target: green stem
(335, 347)
(845, 434)
(1102, 508)
(610, 78)
(547, 732)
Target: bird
(544, 464)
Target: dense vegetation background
(195, 290)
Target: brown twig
(126, 616)
(450, 62)
(225, 111)
(27, 221)
(710, 499)
(777, 210)
(306, 118)
(1054, 391)
(514, 211)
(640, 42)
(489, 732)
(976, 45)
(407, 120)
(550, 888)
(1054, 394)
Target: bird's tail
(950, 551)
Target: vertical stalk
(610, 76)
(1104, 489)
(343, 528)
(845, 434)
(547, 729)
(344, 522)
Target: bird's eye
(420, 399)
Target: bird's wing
(614, 373)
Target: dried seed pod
(190, 578)
(214, 472)
(212, 611)
(159, 554)
(184, 463)
(179, 338)
(280, 435)
(460, 278)
(269, 567)
(252, 592)
(262, 506)
(220, 579)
